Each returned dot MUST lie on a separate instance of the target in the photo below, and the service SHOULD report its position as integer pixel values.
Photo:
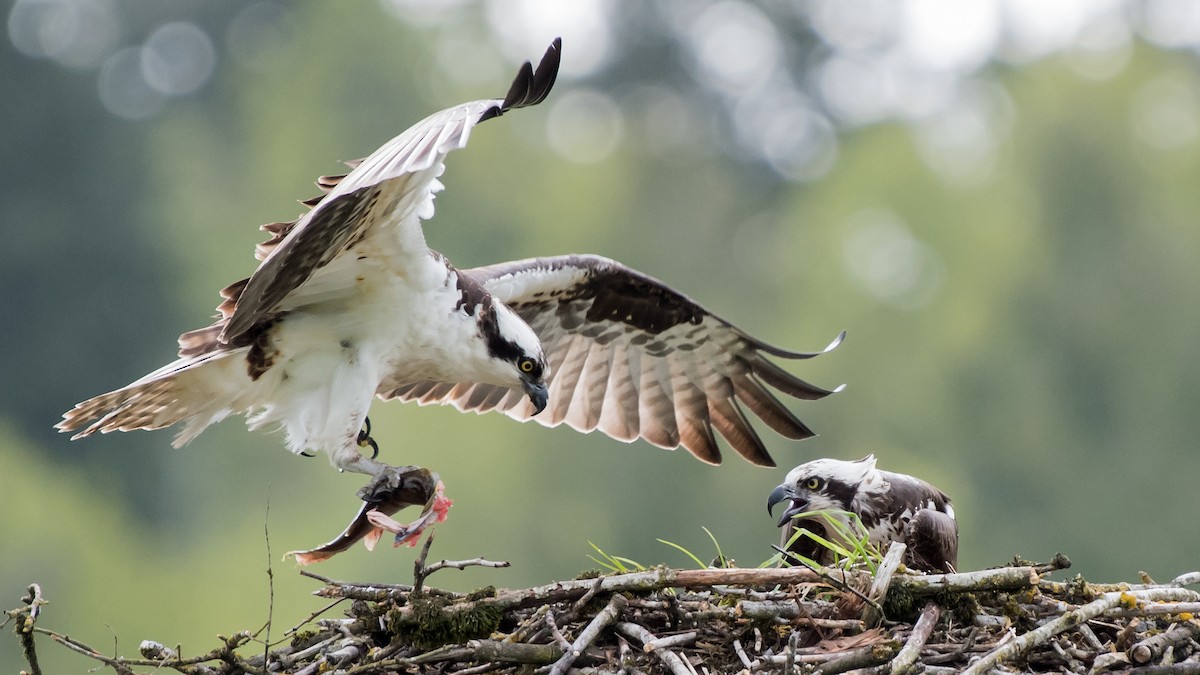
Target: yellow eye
(813, 483)
(526, 365)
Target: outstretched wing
(633, 358)
(396, 181)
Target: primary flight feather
(349, 303)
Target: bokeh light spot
(584, 126)
(178, 58)
(123, 87)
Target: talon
(364, 438)
(307, 454)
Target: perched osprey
(349, 303)
(892, 507)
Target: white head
(828, 484)
(515, 356)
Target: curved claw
(309, 455)
(364, 438)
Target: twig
(419, 569)
(304, 622)
(1151, 648)
(860, 658)
(270, 581)
(605, 618)
(741, 653)
(907, 658)
(1085, 613)
(873, 613)
(25, 618)
(118, 665)
(559, 640)
(584, 599)
(669, 658)
(790, 658)
(463, 564)
(677, 640)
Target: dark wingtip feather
(530, 87)
(790, 384)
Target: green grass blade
(699, 563)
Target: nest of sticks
(715, 620)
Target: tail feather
(200, 390)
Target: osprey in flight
(349, 303)
(891, 506)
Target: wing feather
(588, 402)
(384, 189)
(619, 416)
(656, 407)
(633, 358)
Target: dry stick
(669, 658)
(790, 658)
(1084, 613)
(584, 599)
(1189, 668)
(422, 572)
(677, 640)
(1008, 578)
(604, 619)
(1164, 608)
(474, 670)
(555, 633)
(860, 658)
(873, 612)
(25, 625)
(463, 564)
(294, 629)
(270, 582)
(1145, 651)
(741, 653)
(768, 610)
(907, 658)
(513, 652)
(419, 572)
(1069, 588)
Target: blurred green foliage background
(997, 200)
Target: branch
(607, 617)
(873, 613)
(1087, 612)
(1151, 648)
(860, 658)
(670, 659)
(907, 658)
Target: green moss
(589, 574)
(902, 604)
(1078, 588)
(485, 592)
(301, 639)
(429, 624)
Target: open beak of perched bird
(786, 493)
(538, 395)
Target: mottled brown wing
(390, 186)
(933, 541)
(633, 358)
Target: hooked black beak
(538, 395)
(783, 493)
